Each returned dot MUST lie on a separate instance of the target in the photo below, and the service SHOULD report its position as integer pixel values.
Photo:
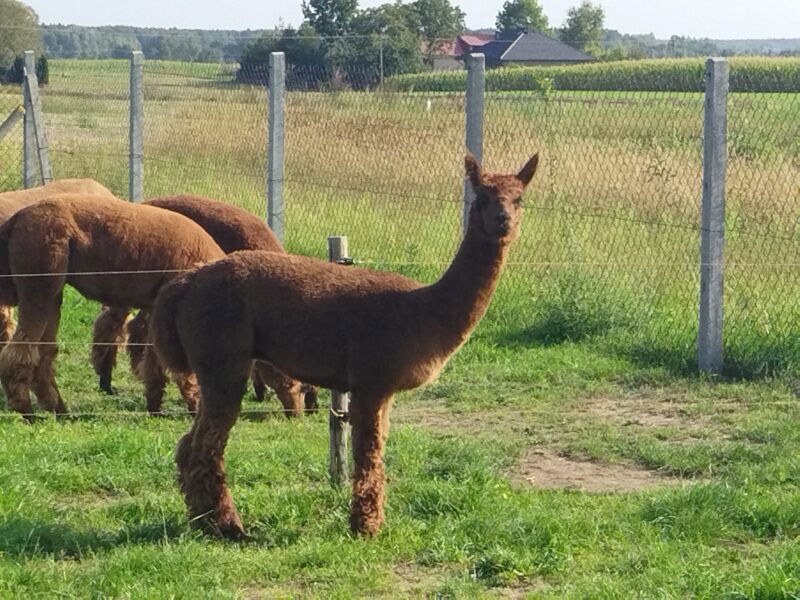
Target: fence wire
(609, 249)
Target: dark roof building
(529, 48)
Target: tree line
(193, 45)
(337, 39)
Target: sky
(716, 19)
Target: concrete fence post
(712, 225)
(340, 403)
(28, 138)
(36, 154)
(275, 145)
(136, 135)
(476, 77)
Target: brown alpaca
(348, 329)
(11, 202)
(71, 234)
(233, 229)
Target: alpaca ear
(473, 169)
(526, 173)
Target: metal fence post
(29, 132)
(340, 403)
(275, 159)
(476, 75)
(712, 225)
(136, 135)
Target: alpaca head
(496, 212)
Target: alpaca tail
(164, 328)
(8, 292)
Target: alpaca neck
(460, 298)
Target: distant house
(520, 48)
(449, 57)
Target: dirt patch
(642, 412)
(546, 469)
(675, 420)
(415, 580)
(475, 423)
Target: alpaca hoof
(232, 531)
(365, 525)
(229, 527)
(157, 413)
(105, 386)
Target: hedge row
(747, 74)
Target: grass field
(568, 450)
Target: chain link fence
(10, 137)
(762, 245)
(609, 249)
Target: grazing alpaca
(348, 329)
(71, 234)
(11, 202)
(233, 229)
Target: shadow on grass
(21, 537)
(747, 357)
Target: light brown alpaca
(233, 229)
(71, 234)
(348, 329)
(11, 202)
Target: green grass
(587, 353)
(89, 505)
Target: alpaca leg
(108, 333)
(155, 381)
(259, 387)
(310, 397)
(368, 417)
(17, 363)
(189, 389)
(6, 324)
(201, 462)
(137, 338)
(289, 391)
(44, 377)
(20, 357)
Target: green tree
(330, 18)
(19, 32)
(437, 22)
(584, 27)
(521, 14)
(303, 49)
(386, 40)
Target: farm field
(569, 449)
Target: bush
(576, 306)
(16, 72)
(748, 74)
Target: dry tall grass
(614, 215)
